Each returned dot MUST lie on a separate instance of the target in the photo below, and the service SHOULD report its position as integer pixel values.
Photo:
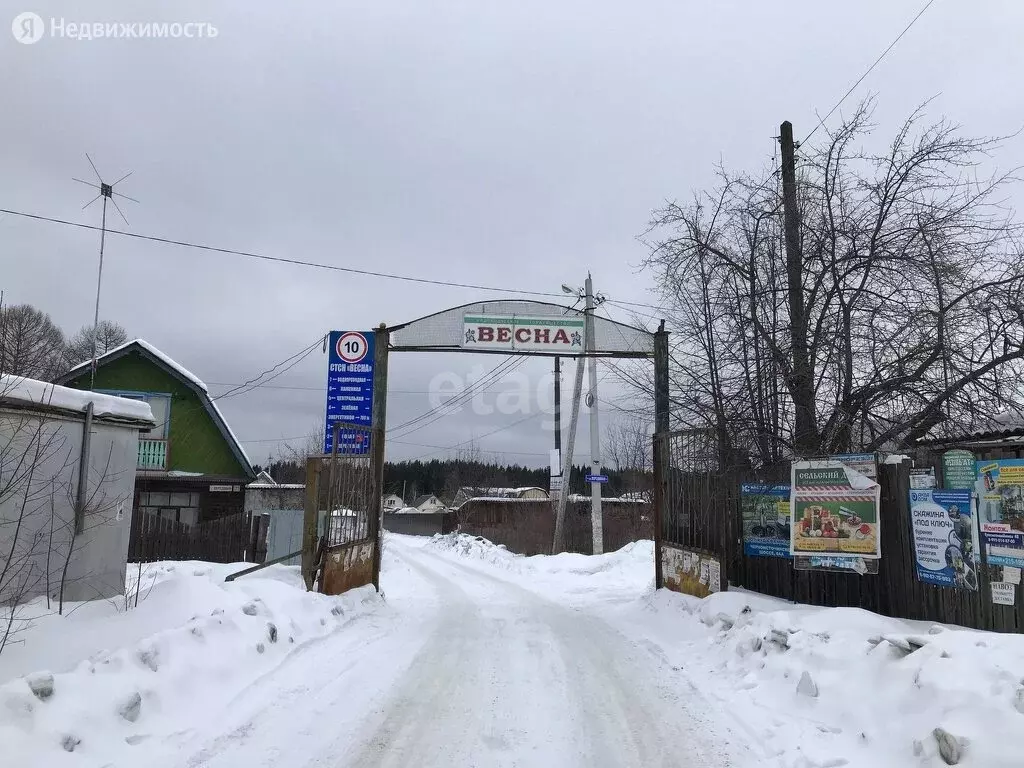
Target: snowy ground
(477, 657)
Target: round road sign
(351, 347)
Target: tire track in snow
(474, 700)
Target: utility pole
(805, 440)
(558, 405)
(563, 496)
(597, 521)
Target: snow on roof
(227, 427)
(184, 373)
(21, 390)
(168, 361)
(275, 486)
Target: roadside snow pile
(613, 576)
(475, 548)
(845, 687)
(102, 679)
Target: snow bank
(815, 687)
(612, 576)
(102, 679)
(475, 548)
(845, 687)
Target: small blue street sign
(349, 389)
(597, 478)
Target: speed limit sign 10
(351, 347)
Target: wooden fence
(527, 526)
(231, 539)
(700, 510)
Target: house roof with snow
(19, 392)
(148, 352)
(1006, 427)
(424, 498)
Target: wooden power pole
(805, 439)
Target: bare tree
(30, 343)
(911, 304)
(33, 454)
(628, 446)
(79, 348)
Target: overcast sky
(516, 144)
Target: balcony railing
(152, 454)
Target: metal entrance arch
(445, 331)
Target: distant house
(474, 492)
(191, 467)
(392, 502)
(428, 502)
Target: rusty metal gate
(693, 496)
(341, 542)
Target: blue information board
(944, 540)
(349, 389)
(596, 478)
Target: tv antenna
(105, 191)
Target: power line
(479, 437)
(301, 355)
(282, 259)
(446, 409)
(868, 71)
(445, 448)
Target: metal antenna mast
(105, 191)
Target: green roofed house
(191, 467)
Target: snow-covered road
(464, 668)
(478, 657)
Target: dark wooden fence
(231, 539)
(527, 526)
(700, 510)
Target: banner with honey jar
(833, 510)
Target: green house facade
(191, 467)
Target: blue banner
(349, 389)
(766, 524)
(945, 551)
(1000, 488)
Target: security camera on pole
(595, 478)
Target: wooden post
(658, 451)
(381, 342)
(311, 514)
(805, 434)
(660, 447)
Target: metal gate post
(659, 502)
(660, 451)
(381, 341)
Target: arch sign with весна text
(534, 334)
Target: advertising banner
(923, 478)
(690, 572)
(1000, 489)
(833, 510)
(865, 463)
(765, 511)
(958, 469)
(944, 538)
